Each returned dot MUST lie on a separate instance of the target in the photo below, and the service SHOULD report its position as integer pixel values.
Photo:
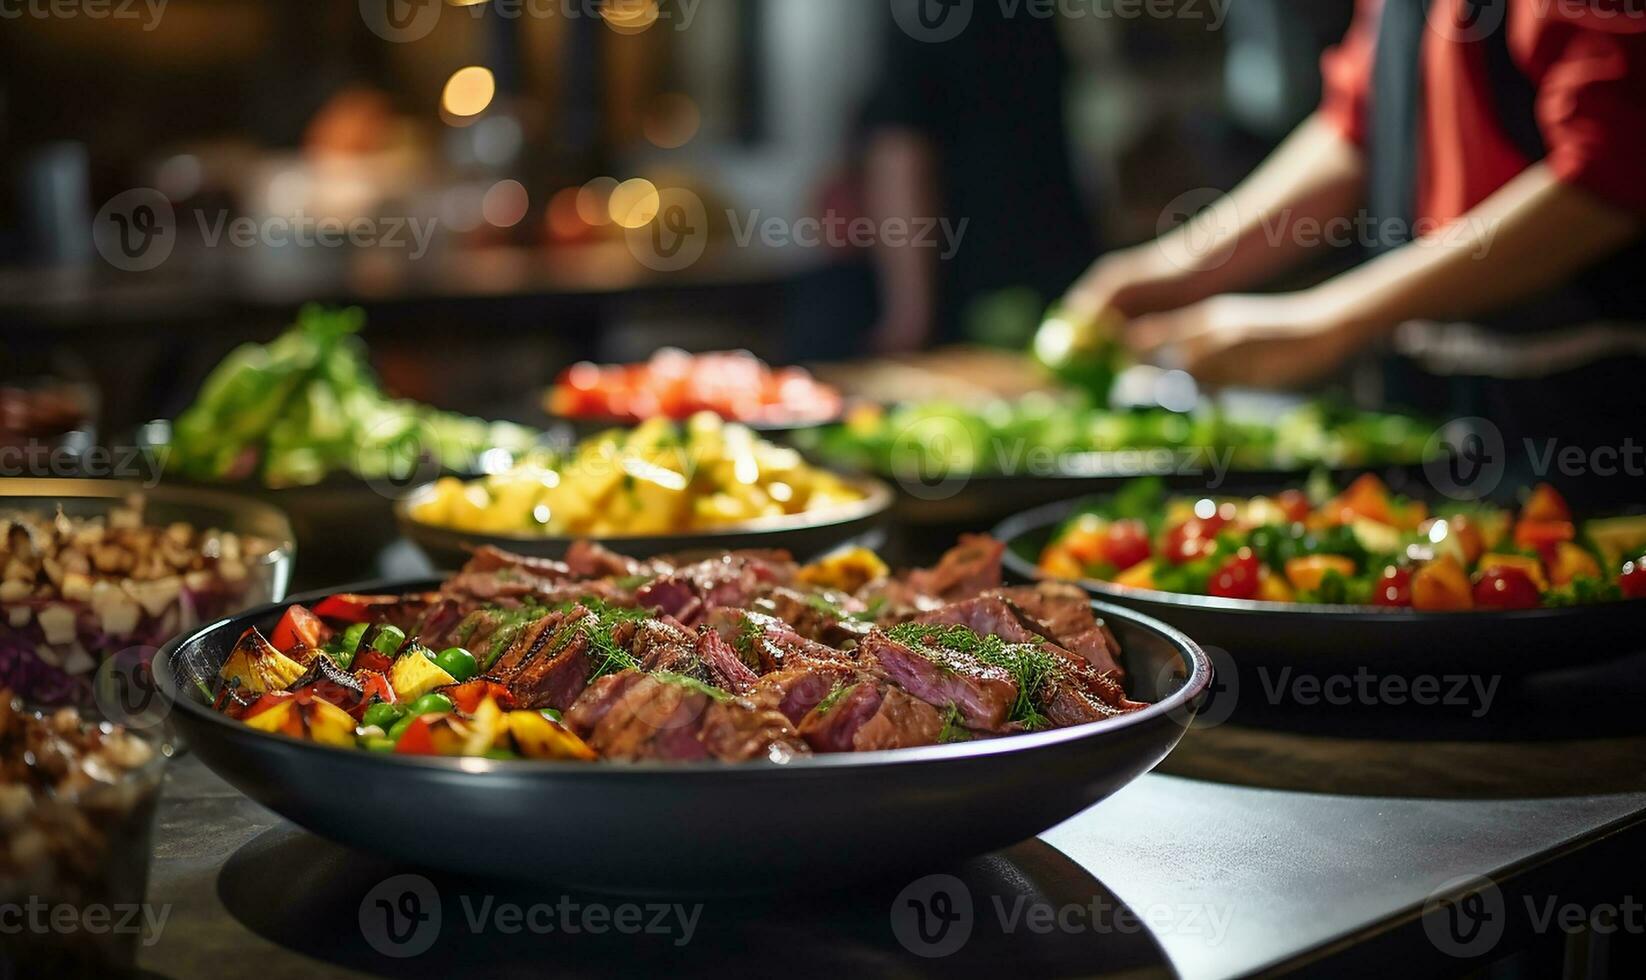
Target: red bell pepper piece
(353, 608)
(299, 627)
(417, 739)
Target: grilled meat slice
(642, 718)
(532, 638)
(720, 661)
(820, 617)
(833, 725)
(587, 559)
(1064, 613)
(797, 690)
(488, 558)
(738, 730)
(964, 570)
(734, 579)
(597, 701)
(767, 644)
(637, 716)
(556, 676)
(901, 722)
(981, 693)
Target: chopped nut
(13, 589)
(117, 611)
(19, 616)
(58, 623)
(76, 587)
(156, 595)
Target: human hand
(1278, 341)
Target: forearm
(1533, 234)
(901, 187)
(1261, 229)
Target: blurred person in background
(1488, 155)
(974, 130)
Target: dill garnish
(597, 627)
(1029, 665)
(832, 698)
(693, 684)
(953, 730)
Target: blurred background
(482, 177)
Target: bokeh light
(635, 203)
(505, 203)
(468, 91)
(672, 121)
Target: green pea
(430, 704)
(552, 714)
(400, 727)
(376, 744)
(349, 640)
(458, 662)
(389, 640)
(383, 715)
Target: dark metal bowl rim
(1183, 702)
(1021, 525)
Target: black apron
(1597, 404)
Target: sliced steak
(797, 690)
(555, 677)
(901, 722)
(586, 559)
(647, 719)
(983, 694)
(724, 669)
(488, 558)
(530, 640)
(597, 701)
(833, 725)
(1064, 612)
(767, 644)
(964, 570)
(739, 730)
(824, 618)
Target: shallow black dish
(1343, 639)
(694, 828)
(803, 535)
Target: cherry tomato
(1505, 587)
(1126, 543)
(1633, 579)
(1194, 538)
(1546, 505)
(1238, 578)
(1294, 504)
(1394, 588)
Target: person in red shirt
(1490, 155)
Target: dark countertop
(1230, 879)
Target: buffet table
(1172, 875)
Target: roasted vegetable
(255, 666)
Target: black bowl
(694, 828)
(803, 535)
(1318, 639)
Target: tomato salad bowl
(586, 718)
(1320, 578)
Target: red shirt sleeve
(1346, 73)
(1590, 74)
